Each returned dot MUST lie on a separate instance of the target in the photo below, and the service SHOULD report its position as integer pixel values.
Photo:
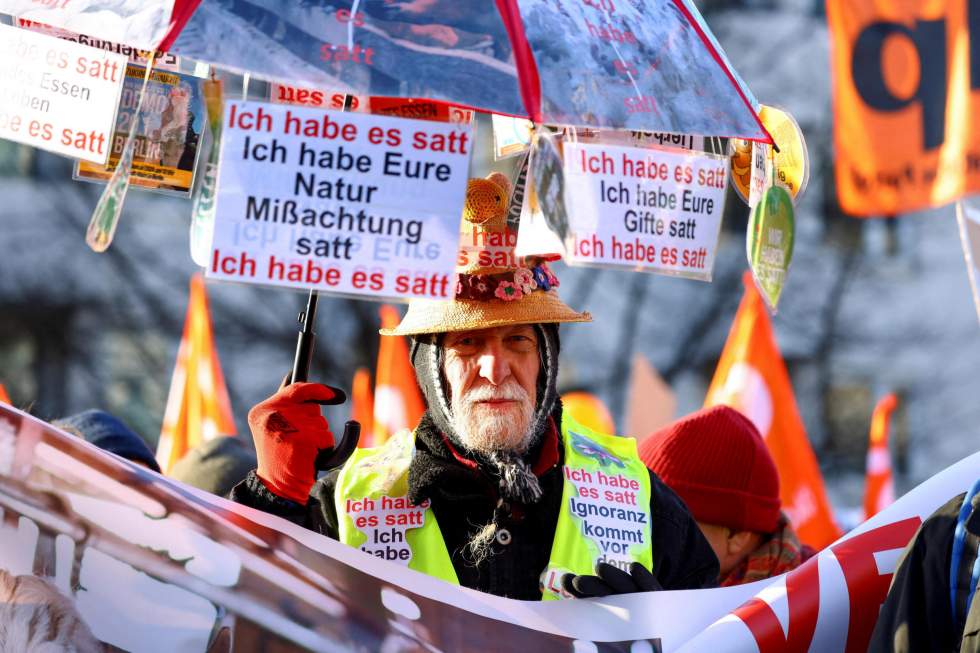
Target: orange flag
(398, 400)
(362, 405)
(589, 411)
(198, 408)
(879, 488)
(4, 397)
(752, 378)
(650, 403)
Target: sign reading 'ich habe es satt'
(644, 209)
(57, 95)
(341, 202)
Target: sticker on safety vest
(606, 505)
(385, 521)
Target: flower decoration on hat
(507, 291)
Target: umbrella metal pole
(332, 457)
(306, 341)
(307, 335)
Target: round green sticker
(769, 242)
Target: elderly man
(496, 489)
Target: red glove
(289, 430)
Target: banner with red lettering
(147, 563)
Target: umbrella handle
(329, 459)
(326, 459)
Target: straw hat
(494, 286)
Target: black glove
(611, 580)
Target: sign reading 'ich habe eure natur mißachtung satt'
(341, 202)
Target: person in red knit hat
(718, 463)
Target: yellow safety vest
(604, 516)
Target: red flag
(362, 405)
(198, 408)
(879, 487)
(752, 378)
(4, 397)
(398, 400)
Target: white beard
(489, 431)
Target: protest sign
(634, 138)
(400, 107)
(643, 209)
(57, 95)
(511, 136)
(968, 216)
(761, 173)
(312, 97)
(140, 57)
(161, 562)
(168, 134)
(522, 183)
(143, 24)
(340, 202)
(542, 222)
(548, 185)
(906, 103)
(421, 109)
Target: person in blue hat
(109, 433)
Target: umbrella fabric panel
(636, 65)
(452, 50)
(695, 14)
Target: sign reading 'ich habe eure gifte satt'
(342, 202)
(643, 208)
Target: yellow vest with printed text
(604, 515)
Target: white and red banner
(146, 559)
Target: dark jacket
(465, 499)
(917, 615)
